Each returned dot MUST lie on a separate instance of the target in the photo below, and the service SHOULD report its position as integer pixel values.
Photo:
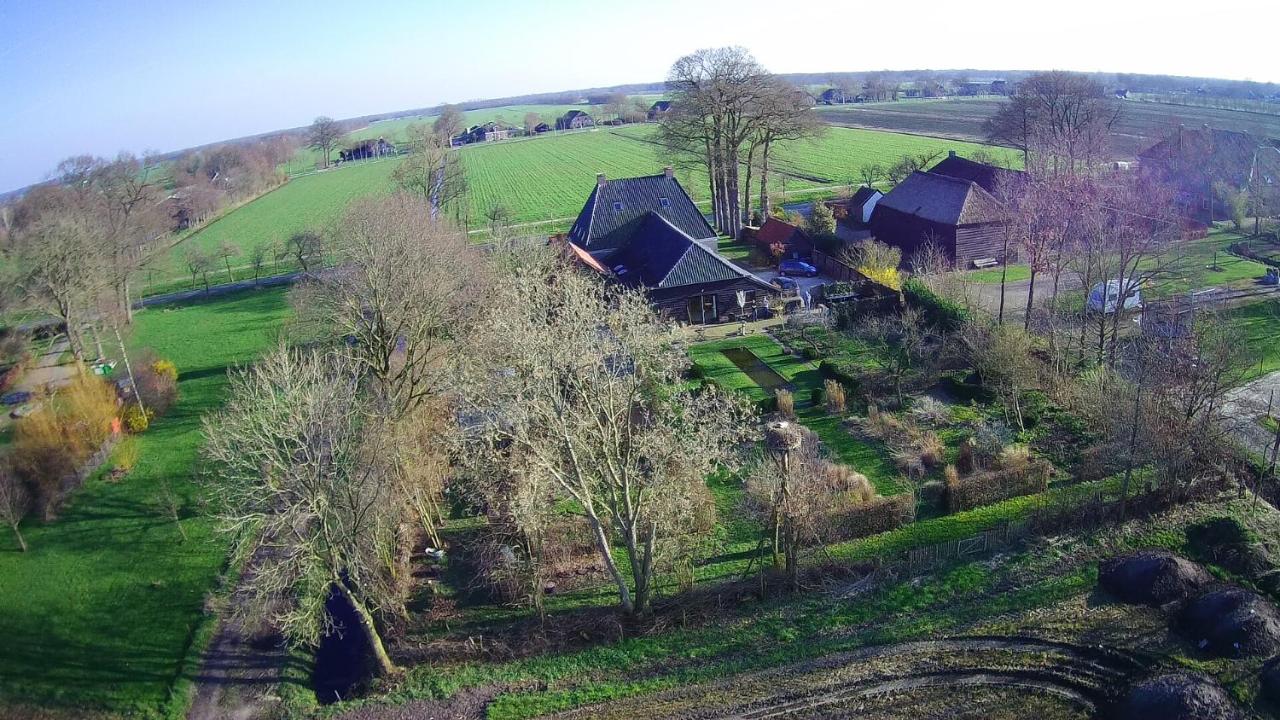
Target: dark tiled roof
(660, 256)
(661, 105)
(943, 199)
(987, 176)
(601, 226)
(1194, 155)
(861, 197)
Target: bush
(785, 402)
(833, 392)
(844, 372)
(157, 384)
(52, 444)
(125, 456)
(991, 487)
(135, 420)
(942, 312)
(877, 516)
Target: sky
(102, 77)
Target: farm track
(1074, 679)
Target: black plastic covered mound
(1231, 622)
(1270, 678)
(1152, 577)
(1177, 696)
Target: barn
(645, 232)
(574, 120)
(959, 215)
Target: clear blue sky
(99, 77)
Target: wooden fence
(832, 267)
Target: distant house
(999, 87)
(965, 220)
(782, 239)
(658, 109)
(988, 177)
(488, 132)
(645, 232)
(1193, 161)
(366, 149)
(541, 128)
(574, 120)
(835, 96)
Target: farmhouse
(1194, 161)
(965, 220)
(645, 232)
(488, 132)
(988, 177)
(781, 239)
(658, 109)
(574, 120)
(366, 149)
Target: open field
(1140, 125)
(540, 180)
(105, 610)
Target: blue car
(797, 267)
(785, 284)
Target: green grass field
(540, 180)
(103, 611)
(1260, 324)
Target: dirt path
(240, 671)
(47, 369)
(1244, 405)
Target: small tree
(903, 346)
(198, 263)
(872, 173)
(14, 503)
(306, 248)
(449, 122)
(821, 222)
(323, 136)
(258, 260)
(226, 251)
(1003, 356)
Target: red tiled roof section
(775, 231)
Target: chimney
(951, 153)
(600, 181)
(668, 171)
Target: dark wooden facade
(963, 243)
(718, 299)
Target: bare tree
(782, 115)
(498, 216)
(307, 249)
(404, 290)
(324, 135)
(449, 122)
(577, 383)
(432, 171)
(198, 263)
(903, 346)
(872, 173)
(226, 251)
(531, 122)
(1066, 118)
(1003, 356)
(14, 503)
(258, 259)
(302, 476)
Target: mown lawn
(102, 612)
(1260, 324)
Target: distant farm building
(645, 232)
(1194, 161)
(836, 96)
(541, 128)
(658, 109)
(488, 132)
(366, 149)
(574, 120)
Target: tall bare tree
(577, 383)
(324, 135)
(1065, 117)
(783, 114)
(449, 122)
(303, 487)
(432, 171)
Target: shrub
(815, 396)
(786, 402)
(942, 312)
(931, 449)
(125, 456)
(1013, 457)
(136, 420)
(833, 391)
(52, 444)
(157, 383)
(965, 461)
(930, 410)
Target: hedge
(986, 488)
(946, 314)
(879, 515)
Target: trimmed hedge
(940, 311)
(991, 487)
(879, 515)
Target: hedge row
(986, 488)
(946, 314)
(879, 515)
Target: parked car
(17, 397)
(785, 284)
(1104, 297)
(797, 267)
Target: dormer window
(617, 206)
(664, 202)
